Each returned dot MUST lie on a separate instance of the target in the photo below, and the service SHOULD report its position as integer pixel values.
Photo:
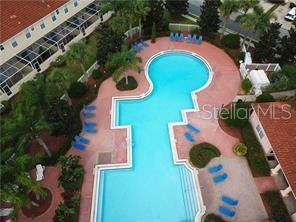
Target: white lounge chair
(39, 172)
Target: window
(260, 131)
(28, 33)
(14, 43)
(1, 48)
(53, 17)
(57, 12)
(75, 3)
(65, 9)
(42, 25)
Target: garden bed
(201, 154)
(132, 84)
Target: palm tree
(226, 9)
(258, 20)
(142, 11)
(26, 123)
(247, 5)
(77, 53)
(58, 78)
(129, 13)
(17, 184)
(123, 60)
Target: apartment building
(35, 32)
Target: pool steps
(189, 194)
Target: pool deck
(109, 146)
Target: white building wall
(38, 33)
(254, 120)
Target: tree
(108, 42)
(257, 20)
(58, 78)
(16, 184)
(153, 33)
(26, 123)
(247, 5)
(141, 10)
(155, 15)
(77, 53)
(287, 50)
(121, 61)
(177, 7)
(209, 19)
(226, 9)
(265, 49)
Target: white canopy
(259, 79)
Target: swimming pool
(155, 188)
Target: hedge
(278, 208)
(77, 90)
(201, 154)
(122, 86)
(246, 85)
(231, 41)
(213, 218)
(265, 97)
(255, 155)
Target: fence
(182, 27)
(132, 31)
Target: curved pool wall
(183, 183)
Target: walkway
(112, 143)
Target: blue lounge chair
(90, 124)
(215, 169)
(145, 44)
(199, 40)
(181, 38)
(188, 40)
(226, 212)
(89, 130)
(192, 128)
(189, 137)
(172, 37)
(78, 146)
(88, 114)
(220, 178)
(177, 36)
(194, 39)
(229, 200)
(139, 45)
(90, 107)
(81, 139)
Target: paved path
(265, 184)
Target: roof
(280, 127)
(17, 15)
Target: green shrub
(237, 115)
(231, 41)
(153, 33)
(72, 178)
(246, 85)
(278, 208)
(213, 218)
(7, 106)
(96, 74)
(240, 149)
(264, 97)
(201, 154)
(255, 155)
(240, 55)
(77, 90)
(122, 86)
(59, 62)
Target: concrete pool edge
(194, 172)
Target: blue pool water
(154, 189)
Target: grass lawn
(181, 20)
